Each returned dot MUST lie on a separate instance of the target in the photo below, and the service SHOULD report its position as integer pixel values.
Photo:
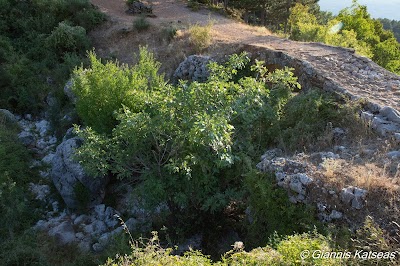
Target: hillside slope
(358, 76)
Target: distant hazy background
(377, 8)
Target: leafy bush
(292, 247)
(181, 144)
(169, 32)
(272, 212)
(287, 252)
(36, 36)
(104, 90)
(200, 36)
(15, 175)
(141, 24)
(306, 117)
(65, 38)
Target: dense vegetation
(40, 42)
(191, 147)
(353, 28)
(392, 25)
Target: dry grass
(200, 36)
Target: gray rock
(7, 116)
(48, 159)
(80, 235)
(132, 224)
(296, 186)
(110, 220)
(271, 154)
(347, 195)
(367, 117)
(42, 127)
(100, 211)
(360, 193)
(357, 203)
(69, 134)
(193, 68)
(396, 137)
(97, 247)
(336, 215)
(304, 179)
(104, 239)
(393, 155)
(85, 245)
(67, 174)
(99, 227)
(40, 225)
(384, 127)
(83, 218)
(391, 114)
(68, 91)
(27, 138)
(64, 233)
(40, 191)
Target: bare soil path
(341, 66)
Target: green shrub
(258, 256)
(193, 5)
(169, 32)
(306, 116)
(314, 244)
(141, 24)
(200, 36)
(88, 18)
(15, 175)
(65, 38)
(35, 38)
(105, 89)
(288, 252)
(187, 146)
(271, 210)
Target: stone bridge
(341, 71)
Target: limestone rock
(67, 174)
(347, 195)
(64, 233)
(391, 114)
(193, 68)
(7, 116)
(68, 91)
(27, 138)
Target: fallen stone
(336, 215)
(347, 195)
(391, 114)
(27, 138)
(64, 233)
(42, 127)
(296, 186)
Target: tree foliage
(178, 142)
(353, 28)
(41, 41)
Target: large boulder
(193, 68)
(68, 175)
(7, 117)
